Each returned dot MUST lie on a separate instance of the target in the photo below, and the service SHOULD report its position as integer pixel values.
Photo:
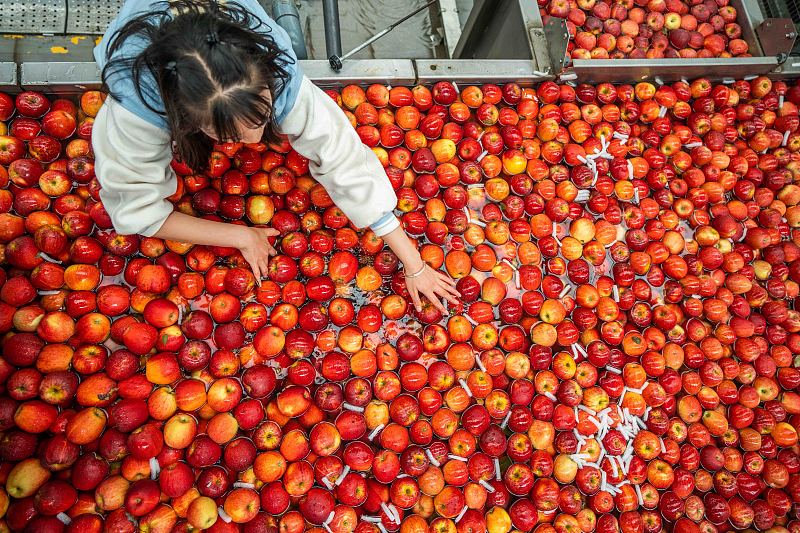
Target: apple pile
(651, 29)
(623, 359)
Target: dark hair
(210, 62)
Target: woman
(190, 73)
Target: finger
(447, 279)
(435, 301)
(415, 299)
(447, 296)
(263, 265)
(450, 289)
(441, 298)
(271, 250)
(256, 271)
(272, 232)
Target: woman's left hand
(434, 285)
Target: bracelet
(415, 274)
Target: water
(416, 38)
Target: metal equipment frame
(502, 40)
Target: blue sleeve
(386, 222)
(121, 83)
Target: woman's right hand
(255, 248)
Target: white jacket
(132, 159)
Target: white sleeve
(350, 172)
(132, 164)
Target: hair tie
(212, 38)
(171, 67)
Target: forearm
(181, 227)
(406, 251)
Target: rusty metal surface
(777, 36)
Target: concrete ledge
(397, 71)
(59, 77)
(8, 76)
